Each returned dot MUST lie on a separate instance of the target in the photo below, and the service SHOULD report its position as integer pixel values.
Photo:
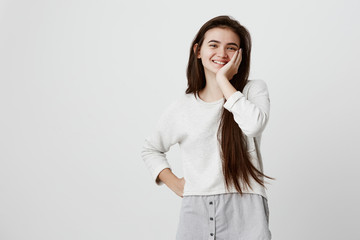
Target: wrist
(221, 78)
(171, 180)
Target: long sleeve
(250, 114)
(156, 145)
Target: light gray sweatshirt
(193, 124)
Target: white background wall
(83, 82)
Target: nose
(221, 52)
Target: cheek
(231, 55)
(207, 52)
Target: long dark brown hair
(236, 163)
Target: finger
(239, 58)
(239, 55)
(233, 59)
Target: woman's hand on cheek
(231, 68)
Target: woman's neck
(212, 91)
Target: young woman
(218, 124)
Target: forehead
(224, 35)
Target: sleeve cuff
(232, 99)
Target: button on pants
(228, 216)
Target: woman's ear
(194, 48)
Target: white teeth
(219, 62)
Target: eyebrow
(227, 44)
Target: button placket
(211, 206)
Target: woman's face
(217, 49)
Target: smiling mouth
(218, 62)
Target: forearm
(168, 177)
(250, 111)
(226, 87)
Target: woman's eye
(232, 48)
(212, 45)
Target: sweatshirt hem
(221, 191)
